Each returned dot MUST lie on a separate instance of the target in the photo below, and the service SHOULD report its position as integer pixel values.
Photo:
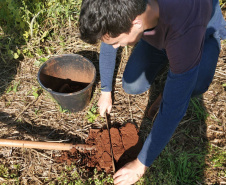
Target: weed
(11, 172)
(92, 114)
(73, 176)
(26, 21)
(218, 156)
(40, 61)
(36, 91)
(37, 111)
(13, 87)
(199, 110)
(8, 103)
(62, 110)
(9, 89)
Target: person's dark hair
(112, 17)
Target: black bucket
(69, 79)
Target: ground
(27, 112)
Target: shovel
(46, 145)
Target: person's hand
(105, 103)
(130, 173)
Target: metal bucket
(69, 79)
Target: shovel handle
(35, 144)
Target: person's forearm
(176, 97)
(107, 66)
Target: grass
(10, 174)
(13, 87)
(73, 176)
(180, 167)
(92, 114)
(198, 109)
(70, 175)
(34, 26)
(219, 157)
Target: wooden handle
(35, 144)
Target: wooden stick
(45, 145)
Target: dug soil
(125, 146)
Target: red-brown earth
(125, 146)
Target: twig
(222, 148)
(140, 109)
(126, 50)
(26, 108)
(130, 110)
(185, 121)
(223, 5)
(221, 73)
(42, 154)
(2, 179)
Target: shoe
(153, 110)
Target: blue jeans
(146, 61)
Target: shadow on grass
(39, 132)
(183, 159)
(7, 75)
(8, 64)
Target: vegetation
(27, 24)
(92, 114)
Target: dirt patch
(125, 145)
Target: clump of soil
(125, 145)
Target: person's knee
(202, 86)
(199, 91)
(133, 88)
(207, 65)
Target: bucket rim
(65, 94)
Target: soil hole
(125, 145)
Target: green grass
(13, 87)
(28, 24)
(10, 173)
(92, 114)
(198, 109)
(71, 175)
(175, 167)
(218, 157)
